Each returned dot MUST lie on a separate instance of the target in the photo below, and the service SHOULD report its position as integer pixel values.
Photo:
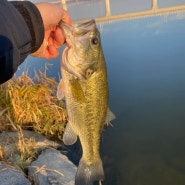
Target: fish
(84, 86)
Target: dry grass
(19, 153)
(32, 104)
(2, 153)
(26, 151)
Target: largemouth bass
(84, 86)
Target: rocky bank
(48, 166)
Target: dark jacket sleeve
(21, 33)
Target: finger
(58, 39)
(52, 51)
(66, 17)
(52, 14)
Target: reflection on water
(146, 70)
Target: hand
(53, 35)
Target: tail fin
(88, 173)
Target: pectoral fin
(69, 136)
(60, 90)
(110, 116)
(77, 90)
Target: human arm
(28, 29)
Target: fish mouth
(69, 30)
(86, 25)
(76, 30)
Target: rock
(10, 139)
(10, 175)
(52, 168)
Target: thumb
(52, 14)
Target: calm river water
(146, 73)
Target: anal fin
(110, 116)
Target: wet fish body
(84, 86)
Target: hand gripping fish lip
(70, 31)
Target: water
(147, 93)
(146, 73)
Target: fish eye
(94, 41)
